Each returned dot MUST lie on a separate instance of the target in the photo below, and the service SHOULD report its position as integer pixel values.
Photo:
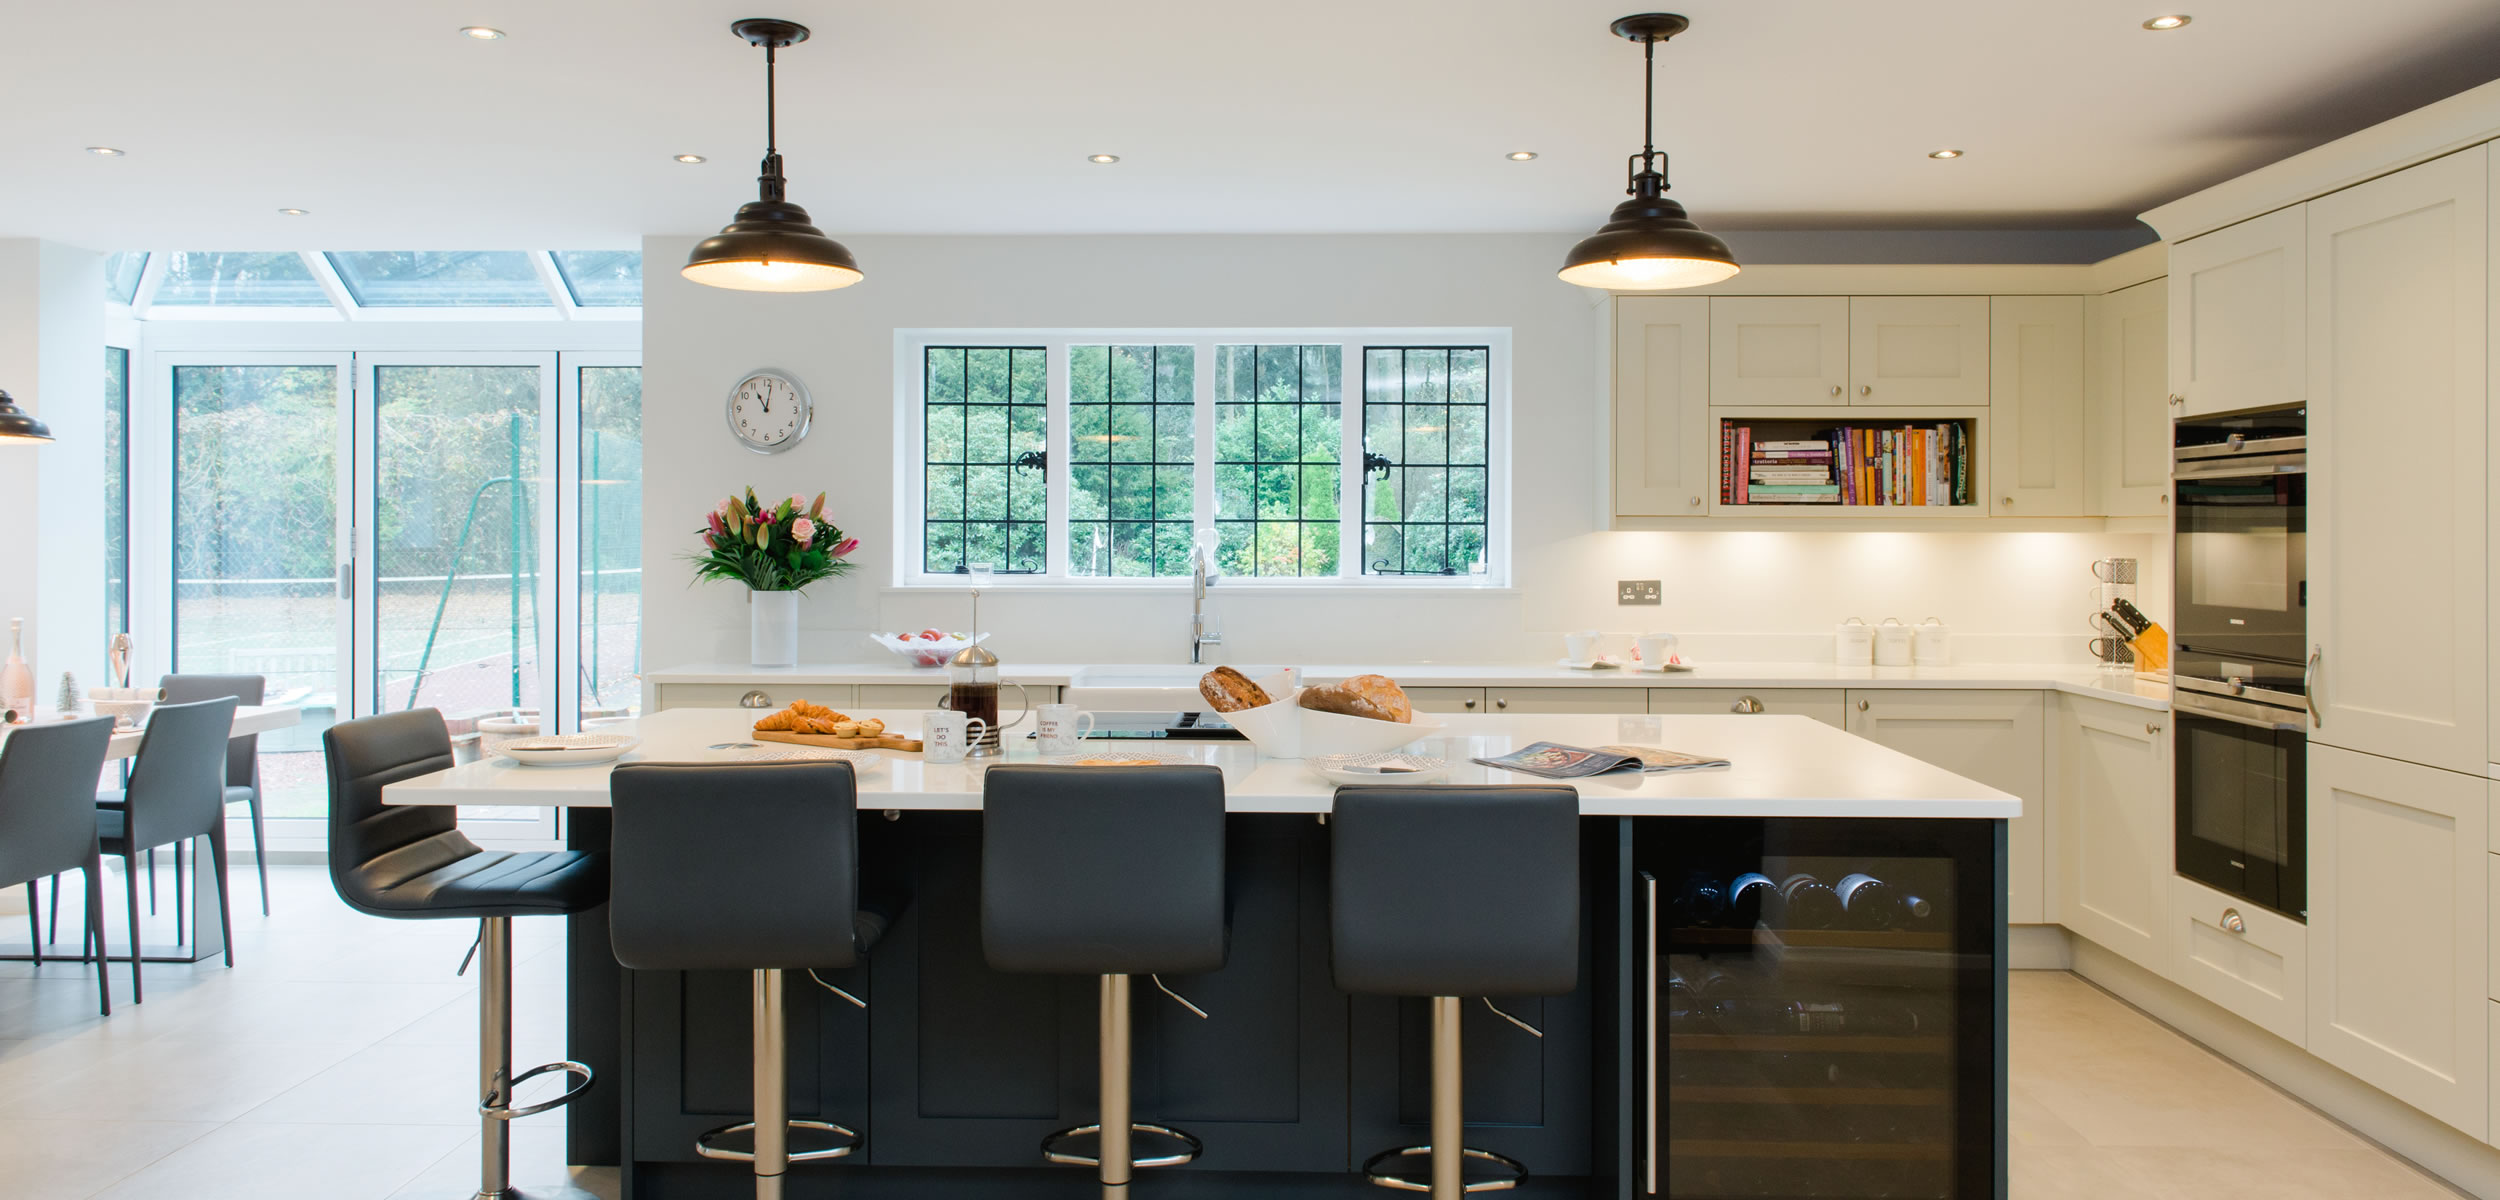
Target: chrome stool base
(505, 1112)
(1379, 1178)
(562, 1192)
(704, 1145)
(1191, 1146)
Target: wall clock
(769, 411)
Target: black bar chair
(242, 760)
(747, 867)
(176, 793)
(48, 823)
(411, 862)
(1447, 892)
(1114, 872)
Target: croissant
(805, 717)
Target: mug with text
(1061, 727)
(946, 735)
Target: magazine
(1553, 760)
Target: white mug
(1579, 647)
(1656, 650)
(946, 735)
(1061, 726)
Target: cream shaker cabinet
(1822, 704)
(2398, 879)
(1521, 700)
(2113, 827)
(1783, 351)
(2251, 960)
(2035, 406)
(2398, 321)
(1994, 737)
(1918, 351)
(2237, 315)
(2127, 436)
(1663, 441)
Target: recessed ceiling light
(2168, 21)
(1102, 159)
(690, 158)
(483, 33)
(104, 152)
(295, 212)
(1944, 154)
(1522, 155)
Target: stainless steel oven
(2242, 764)
(2242, 565)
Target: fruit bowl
(1285, 729)
(927, 648)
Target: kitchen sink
(1145, 687)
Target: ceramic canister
(1932, 643)
(1892, 643)
(1853, 643)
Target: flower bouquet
(776, 551)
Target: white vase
(773, 629)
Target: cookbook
(1553, 760)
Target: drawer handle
(1501, 704)
(1862, 706)
(756, 699)
(1866, 389)
(2232, 922)
(1469, 703)
(2150, 727)
(1835, 389)
(1746, 704)
(1695, 501)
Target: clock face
(769, 411)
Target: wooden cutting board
(830, 742)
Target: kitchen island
(1718, 1045)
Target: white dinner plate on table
(1378, 768)
(568, 749)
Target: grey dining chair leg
(34, 920)
(130, 876)
(56, 908)
(181, 928)
(260, 849)
(151, 881)
(225, 901)
(95, 932)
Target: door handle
(2309, 684)
(1649, 1072)
(2233, 922)
(347, 581)
(1746, 704)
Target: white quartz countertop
(2078, 680)
(1780, 766)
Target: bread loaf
(1377, 697)
(1231, 691)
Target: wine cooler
(1822, 1009)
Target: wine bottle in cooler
(1809, 903)
(1751, 898)
(1870, 903)
(1822, 1016)
(1700, 903)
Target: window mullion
(1354, 385)
(1059, 451)
(1202, 473)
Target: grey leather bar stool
(174, 796)
(48, 822)
(242, 757)
(1448, 892)
(749, 867)
(1114, 872)
(411, 862)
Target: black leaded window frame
(1359, 480)
(1026, 469)
(1427, 442)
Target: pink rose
(845, 546)
(803, 531)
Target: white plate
(1131, 758)
(568, 749)
(1363, 768)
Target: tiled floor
(337, 1062)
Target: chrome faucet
(1202, 571)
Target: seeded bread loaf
(1377, 697)
(1231, 691)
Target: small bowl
(128, 706)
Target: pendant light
(771, 247)
(17, 425)
(1649, 244)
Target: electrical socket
(1639, 591)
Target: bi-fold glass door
(375, 532)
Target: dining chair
(242, 761)
(47, 820)
(177, 792)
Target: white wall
(2014, 596)
(51, 496)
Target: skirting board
(2430, 1144)
(2039, 948)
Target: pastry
(1377, 697)
(804, 717)
(1231, 691)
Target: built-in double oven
(2241, 668)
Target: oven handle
(2193, 710)
(2239, 469)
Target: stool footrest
(1191, 1146)
(1379, 1178)
(703, 1145)
(580, 1074)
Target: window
(602, 278)
(1246, 445)
(121, 274)
(611, 539)
(986, 423)
(411, 285)
(440, 279)
(116, 490)
(277, 279)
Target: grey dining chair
(177, 792)
(47, 820)
(242, 759)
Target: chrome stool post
(494, 1065)
(772, 1125)
(1115, 1150)
(1448, 1149)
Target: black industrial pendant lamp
(17, 425)
(1649, 244)
(771, 247)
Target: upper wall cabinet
(2236, 315)
(2126, 438)
(2035, 405)
(1918, 351)
(1662, 436)
(1783, 351)
(2397, 325)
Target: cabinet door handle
(1649, 1068)
(1471, 705)
(1501, 704)
(2309, 684)
(2176, 399)
(2007, 501)
(1862, 706)
(1835, 389)
(2233, 922)
(2150, 727)
(1866, 389)
(1746, 704)
(1695, 501)
(756, 699)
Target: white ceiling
(1275, 115)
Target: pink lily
(843, 548)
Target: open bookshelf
(1850, 463)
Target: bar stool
(411, 862)
(1108, 871)
(1448, 892)
(752, 867)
